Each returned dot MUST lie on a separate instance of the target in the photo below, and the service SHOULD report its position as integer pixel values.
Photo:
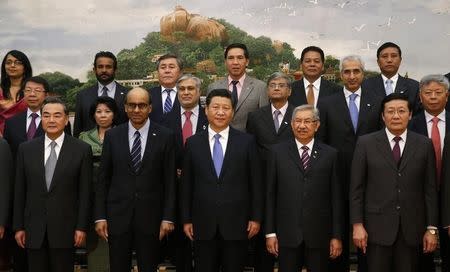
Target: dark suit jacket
(6, 183)
(149, 194)
(62, 209)
(407, 86)
(260, 124)
(447, 107)
(418, 124)
(226, 203)
(384, 196)
(157, 113)
(298, 94)
(85, 98)
(445, 184)
(303, 205)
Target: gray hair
(198, 81)
(277, 75)
(55, 100)
(170, 56)
(352, 58)
(307, 107)
(439, 79)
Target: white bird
(342, 5)
(292, 13)
(313, 2)
(362, 3)
(249, 14)
(376, 43)
(388, 24)
(367, 48)
(412, 21)
(359, 28)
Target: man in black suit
(312, 87)
(52, 193)
(164, 97)
(304, 213)
(221, 190)
(389, 58)
(434, 122)
(6, 183)
(393, 196)
(344, 116)
(105, 66)
(135, 193)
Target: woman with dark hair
(15, 69)
(104, 113)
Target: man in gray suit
(248, 93)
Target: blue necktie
(389, 87)
(353, 110)
(217, 155)
(136, 152)
(168, 102)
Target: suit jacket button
(398, 208)
(399, 174)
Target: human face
(14, 67)
(103, 116)
(138, 107)
(34, 94)
(54, 120)
(352, 75)
(278, 90)
(396, 116)
(219, 113)
(304, 126)
(104, 70)
(188, 94)
(434, 98)
(312, 66)
(236, 62)
(389, 61)
(168, 72)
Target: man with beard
(105, 66)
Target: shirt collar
(194, 111)
(310, 145)
(142, 130)
(347, 93)
(394, 78)
(391, 136)
(110, 86)
(29, 112)
(316, 83)
(241, 80)
(429, 117)
(224, 133)
(59, 141)
(163, 89)
(282, 109)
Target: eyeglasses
(15, 62)
(140, 106)
(392, 112)
(279, 85)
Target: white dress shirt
(173, 94)
(394, 82)
(316, 88)
(194, 118)
(282, 112)
(111, 89)
(47, 148)
(347, 94)
(401, 143)
(37, 120)
(440, 124)
(223, 139)
(144, 134)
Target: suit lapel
(229, 151)
(293, 153)
(268, 119)
(410, 148)
(379, 86)
(401, 87)
(119, 94)
(384, 148)
(342, 107)
(245, 92)
(63, 160)
(302, 92)
(152, 138)
(202, 122)
(365, 107)
(315, 154)
(157, 101)
(447, 122)
(422, 124)
(206, 149)
(285, 124)
(40, 154)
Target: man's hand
(20, 238)
(79, 238)
(272, 245)
(360, 236)
(429, 242)
(189, 231)
(101, 228)
(2, 232)
(252, 228)
(178, 173)
(335, 248)
(165, 228)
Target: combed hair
(170, 56)
(307, 107)
(106, 54)
(277, 75)
(198, 81)
(352, 58)
(387, 45)
(439, 79)
(55, 100)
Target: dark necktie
(136, 152)
(234, 93)
(396, 150)
(436, 139)
(105, 91)
(276, 122)
(217, 154)
(168, 102)
(50, 165)
(187, 127)
(305, 157)
(32, 127)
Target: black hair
(170, 56)
(395, 96)
(105, 54)
(55, 100)
(237, 45)
(387, 45)
(108, 102)
(218, 92)
(5, 82)
(314, 49)
(39, 80)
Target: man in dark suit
(389, 58)
(221, 190)
(393, 196)
(135, 194)
(304, 216)
(312, 87)
(52, 193)
(344, 116)
(105, 66)
(164, 97)
(434, 122)
(6, 168)
(248, 93)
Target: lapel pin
(154, 134)
(204, 127)
(285, 123)
(368, 105)
(121, 93)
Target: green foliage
(60, 83)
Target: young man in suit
(393, 196)
(221, 190)
(304, 215)
(135, 193)
(105, 66)
(312, 87)
(52, 193)
(248, 93)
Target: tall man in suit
(164, 96)
(248, 93)
(304, 216)
(221, 189)
(52, 193)
(344, 116)
(434, 122)
(135, 193)
(105, 66)
(389, 58)
(393, 196)
(312, 87)
(6, 183)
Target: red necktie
(436, 139)
(187, 127)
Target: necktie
(105, 91)
(436, 139)
(276, 113)
(353, 110)
(305, 157)
(396, 149)
(168, 102)
(217, 155)
(32, 127)
(187, 127)
(136, 152)
(234, 93)
(389, 87)
(50, 165)
(310, 95)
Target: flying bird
(359, 28)
(313, 2)
(412, 21)
(342, 5)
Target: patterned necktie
(353, 111)
(234, 93)
(168, 102)
(310, 95)
(50, 165)
(105, 91)
(436, 139)
(136, 152)
(305, 157)
(217, 154)
(389, 83)
(276, 114)
(32, 127)
(396, 149)
(187, 127)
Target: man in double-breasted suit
(393, 196)
(221, 190)
(248, 93)
(52, 193)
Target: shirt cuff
(431, 228)
(167, 221)
(270, 235)
(100, 220)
